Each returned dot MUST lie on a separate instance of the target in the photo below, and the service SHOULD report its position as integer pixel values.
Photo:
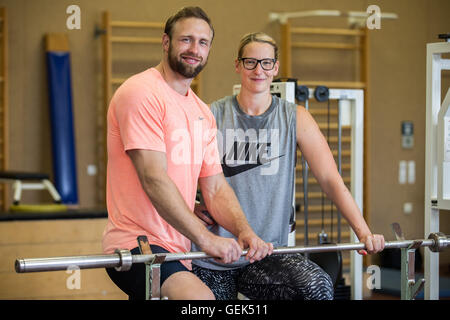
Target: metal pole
(339, 167)
(115, 260)
(62, 263)
(305, 188)
(435, 64)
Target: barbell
(122, 259)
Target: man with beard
(162, 141)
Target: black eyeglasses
(251, 63)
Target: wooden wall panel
(50, 231)
(94, 284)
(53, 238)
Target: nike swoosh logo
(232, 171)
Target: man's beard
(183, 69)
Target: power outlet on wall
(407, 208)
(91, 170)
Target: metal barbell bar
(123, 259)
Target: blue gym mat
(63, 141)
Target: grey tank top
(258, 155)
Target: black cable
(328, 142)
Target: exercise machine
(437, 156)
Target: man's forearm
(171, 206)
(224, 207)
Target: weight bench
(30, 181)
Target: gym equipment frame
(435, 182)
(351, 111)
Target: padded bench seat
(19, 175)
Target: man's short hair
(184, 13)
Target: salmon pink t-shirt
(145, 113)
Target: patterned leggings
(276, 277)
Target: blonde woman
(258, 136)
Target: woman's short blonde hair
(257, 37)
